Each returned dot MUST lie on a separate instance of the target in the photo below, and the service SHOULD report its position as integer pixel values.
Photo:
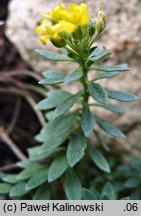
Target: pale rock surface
(122, 36)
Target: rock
(122, 36)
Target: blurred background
(21, 67)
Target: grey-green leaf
(1, 22)
(29, 171)
(52, 77)
(66, 105)
(51, 81)
(111, 107)
(38, 179)
(55, 97)
(88, 121)
(101, 141)
(98, 54)
(53, 142)
(18, 190)
(52, 56)
(75, 150)
(98, 158)
(35, 155)
(109, 128)
(57, 168)
(5, 188)
(10, 178)
(53, 74)
(25, 163)
(107, 75)
(111, 68)
(76, 75)
(72, 186)
(98, 92)
(88, 194)
(65, 124)
(109, 191)
(97, 51)
(132, 182)
(121, 96)
(43, 193)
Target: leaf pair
(98, 53)
(57, 77)
(101, 95)
(55, 97)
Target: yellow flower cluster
(62, 20)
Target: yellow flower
(55, 13)
(62, 20)
(48, 31)
(77, 15)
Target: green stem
(84, 84)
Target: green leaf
(54, 99)
(65, 124)
(18, 190)
(5, 188)
(107, 75)
(66, 105)
(109, 128)
(75, 150)
(43, 193)
(52, 77)
(101, 141)
(76, 75)
(98, 93)
(52, 56)
(111, 68)
(111, 107)
(72, 186)
(57, 168)
(109, 191)
(87, 122)
(38, 179)
(98, 158)
(121, 96)
(88, 194)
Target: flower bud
(100, 23)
